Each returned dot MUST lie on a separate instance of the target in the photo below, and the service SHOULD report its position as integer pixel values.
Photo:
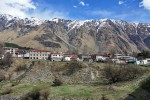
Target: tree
(1, 50)
(7, 60)
(144, 54)
(118, 73)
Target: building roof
(39, 51)
(56, 53)
(67, 54)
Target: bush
(57, 82)
(2, 77)
(7, 61)
(146, 84)
(45, 93)
(38, 93)
(73, 66)
(104, 97)
(6, 91)
(34, 94)
(118, 73)
(20, 68)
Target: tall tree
(1, 50)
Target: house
(38, 54)
(119, 59)
(145, 61)
(56, 56)
(116, 56)
(70, 57)
(148, 61)
(99, 57)
(23, 54)
(85, 58)
(128, 59)
(11, 51)
(2, 57)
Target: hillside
(85, 82)
(90, 36)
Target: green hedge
(16, 46)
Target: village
(61, 56)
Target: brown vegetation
(6, 91)
(146, 84)
(38, 93)
(57, 82)
(73, 67)
(117, 73)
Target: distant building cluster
(47, 55)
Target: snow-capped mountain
(101, 35)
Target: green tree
(144, 54)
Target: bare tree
(1, 50)
(118, 73)
(7, 60)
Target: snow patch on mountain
(9, 20)
(77, 23)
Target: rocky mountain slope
(90, 36)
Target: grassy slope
(120, 90)
(93, 90)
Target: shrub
(6, 91)
(57, 82)
(7, 61)
(45, 93)
(117, 73)
(32, 95)
(104, 97)
(73, 66)
(20, 68)
(38, 93)
(146, 84)
(2, 77)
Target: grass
(73, 91)
(78, 90)
(91, 90)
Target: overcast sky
(129, 10)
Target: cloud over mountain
(145, 4)
(16, 7)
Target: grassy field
(93, 91)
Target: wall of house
(39, 55)
(11, 51)
(56, 57)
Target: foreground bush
(45, 93)
(146, 84)
(38, 93)
(118, 73)
(57, 82)
(6, 91)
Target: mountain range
(88, 36)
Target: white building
(11, 50)
(145, 61)
(56, 56)
(38, 54)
